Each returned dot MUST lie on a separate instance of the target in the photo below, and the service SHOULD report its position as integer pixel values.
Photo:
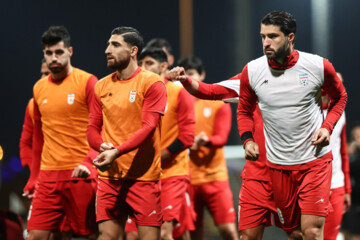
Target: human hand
(321, 137)
(177, 73)
(347, 202)
(105, 159)
(106, 146)
(251, 151)
(165, 155)
(29, 189)
(81, 171)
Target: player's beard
(119, 65)
(281, 52)
(58, 69)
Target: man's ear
(133, 51)
(291, 38)
(71, 51)
(163, 67)
(202, 75)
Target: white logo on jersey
(152, 213)
(44, 101)
(71, 98)
(231, 210)
(168, 207)
(207, 112)
(320, 201)
(280, 216)
(166, 107)
(132, 96)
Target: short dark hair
(191, 62)
(160, 43)
(284, 20)
(157, 53)
(54, 35)
(131, 36)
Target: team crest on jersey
(132, 96)
(304, 79)
(71, 98)
(207, 112)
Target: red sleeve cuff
(249, 139)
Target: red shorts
(218, 199)
(118, 199)
(333, 220)
(256, 204)
(172, 196)
(301, 192)
(74, 199)
(130, 225)
(187, 216)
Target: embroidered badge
(132, 96)
(304, 78)
(71, 98)
(207, 112)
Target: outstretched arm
(220, 91)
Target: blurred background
(224, 34)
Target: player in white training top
(287, 84)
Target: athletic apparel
(187, 216)
(61, 110)
(26, 135)
(129, 112)
(333, 220)
(177, 130)
(74, 199)
(217, 198)
(289, 98)
(256, 204)
(301, 192)
(341, 168)
(208, 162)
(228, 90)
(340, 181)
(116, 199)
(173, 191)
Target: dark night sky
(90, 23)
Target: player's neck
(61, 75)
(285, 57)
(127, 72)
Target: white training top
(338, 178)
(291, 107)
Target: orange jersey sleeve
(208, 163)
(122, 105)
(64, 114)
(173, 122)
